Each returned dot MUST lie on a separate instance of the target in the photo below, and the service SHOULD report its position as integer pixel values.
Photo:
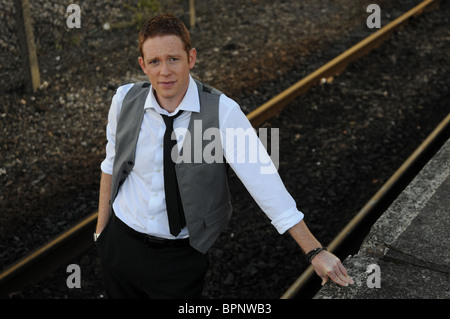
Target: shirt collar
(190, 102)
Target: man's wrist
(313, 253)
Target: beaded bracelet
(313, 253)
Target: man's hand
(328, 266)
(325, 263)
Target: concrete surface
(406, 255)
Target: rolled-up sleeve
(254, 167)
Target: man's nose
(165, 69)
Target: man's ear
(192, 58)
(142, 64)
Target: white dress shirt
(140, 202)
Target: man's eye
(154, 62)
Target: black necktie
(175, 212)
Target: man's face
(167, 66)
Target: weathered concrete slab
(426, 242)
(409, 204)
(406, 254)
(398, 280)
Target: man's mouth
(167, 84)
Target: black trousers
(133, 268)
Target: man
(149, 248)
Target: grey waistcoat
(203, 186)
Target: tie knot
(169, 119)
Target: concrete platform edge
(406, 254)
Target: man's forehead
(166, 44)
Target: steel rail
(335, 66)
(442, 130)
(52, 255)
(71, 243)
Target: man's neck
(169, 105)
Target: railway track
(72, 243)
(351, 236)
